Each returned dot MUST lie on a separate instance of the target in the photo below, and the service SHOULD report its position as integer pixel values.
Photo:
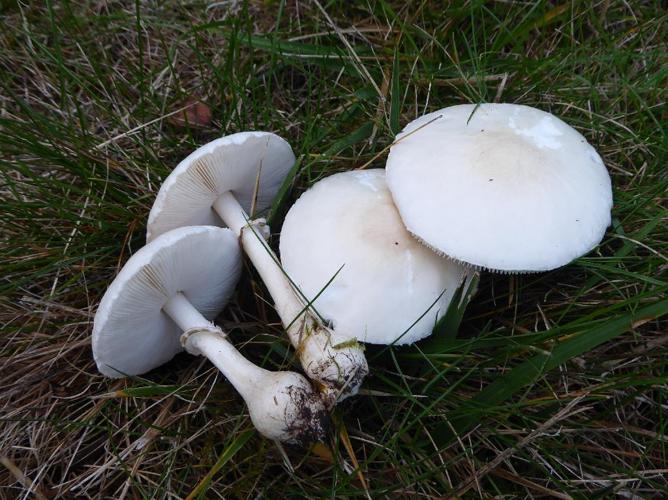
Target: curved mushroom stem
(332, 359)
(282, 405)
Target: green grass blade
(227, 455)
(395, 95)
(529, 371)
(447, 326)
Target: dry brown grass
(86, 91)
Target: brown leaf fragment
(191, 113)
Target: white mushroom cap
(388, 280)
(500, 186)
(231, 163)
(131, 333)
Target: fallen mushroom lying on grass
(162, 301)
(220, 184)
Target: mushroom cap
(131, 334)
(388, 286)
(231, 163)
(500, 186)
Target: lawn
(555, 384)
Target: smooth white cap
(388, 279)
(500, 186)
(231, 163)
(131, 333)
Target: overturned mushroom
(344, 245)
(163, 300)
(500, 186)
(221, 183)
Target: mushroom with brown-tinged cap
(345, 247)
(163, 300)
(222, 183)
(500, 186)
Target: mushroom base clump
(304, 418)
(335, 361)
(282, 405)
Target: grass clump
(556, 382)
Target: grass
(556, 383)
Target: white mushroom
(344, 245)
(165, 296)
(500, 186)
(217, 185)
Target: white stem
(264, 259)
(282, 405)
(332, 358)
(184, 313)
(209, 341)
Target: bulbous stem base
(282, 405)
(334, 361)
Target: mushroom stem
(282, 405)
(203, 338)
(334, 360)
(264, 259)
(184, 314)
